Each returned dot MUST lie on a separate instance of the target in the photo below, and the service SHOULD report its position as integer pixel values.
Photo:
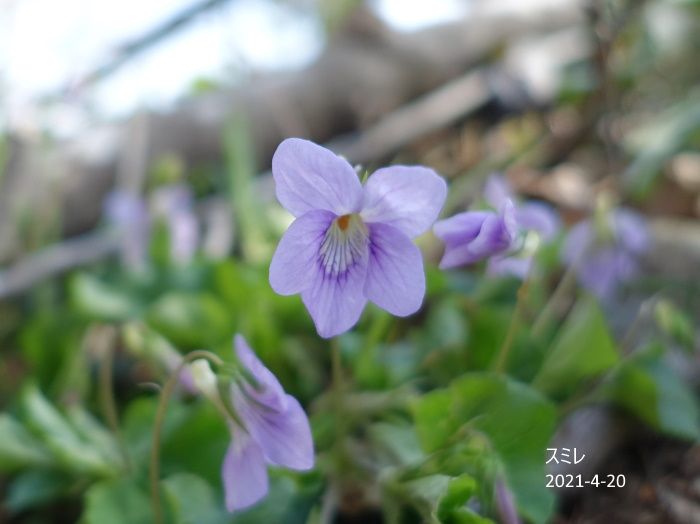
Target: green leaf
(446, 326)
(514, 418)
(90, 430)
(193, 501)
(284, 503)
(652, 145)
(117, 502)
(443, 499)
(399, 441)
(652, 391)
(18, 448)
(676, 323)
(100, 300)
(64, 442)
(487, 334)
(452, 509)
(34, 488)
(191, 321)
(433, 423)
(582, 351)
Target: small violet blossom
(270, 428)
(505, 504)
(175, 204)
(128, 214)
(604, 250)
(501, 235)
(349, 243)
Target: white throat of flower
(344, 244)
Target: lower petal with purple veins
(336, 297)
(335, 303)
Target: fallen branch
(56, 259)
(129, 50)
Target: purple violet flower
(505, 504)
(605, 252)
(176, 204)
(500, 235)
(351, 243)
(271, 429)
(127, 212)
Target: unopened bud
(203, 377)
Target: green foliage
(18, 447)
(70, 446)
(423, 429)
(442, 499)
(192, 500)
(657, 142)
(583, 350)
(675, 323)
(514, 420)
(190, 321)
(117, 501)
(650, 389)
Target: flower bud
(203, 377)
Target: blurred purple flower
(505, 504)
(499, 236)
(271, 428)
(127, 212)
(176, 204)
(351, 243)
(605, 253)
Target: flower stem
(336, 368)
(563, 287)
(108, 404)
(154, 470)
(338, 406)
(504, 352)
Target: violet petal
(408, 198)
(308, 176)
(395, 276)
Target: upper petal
(538, 217)
(284, 436)
(335, 301)
(308, 176)
(603, 271)
(631, 230)
(406, 197)
(298, 251)
(244, 473)
(457, 233)
(395, 277)
(578, 242)
(497, 191)
(460, 228)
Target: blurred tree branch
(366, 71)
(129, 50)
